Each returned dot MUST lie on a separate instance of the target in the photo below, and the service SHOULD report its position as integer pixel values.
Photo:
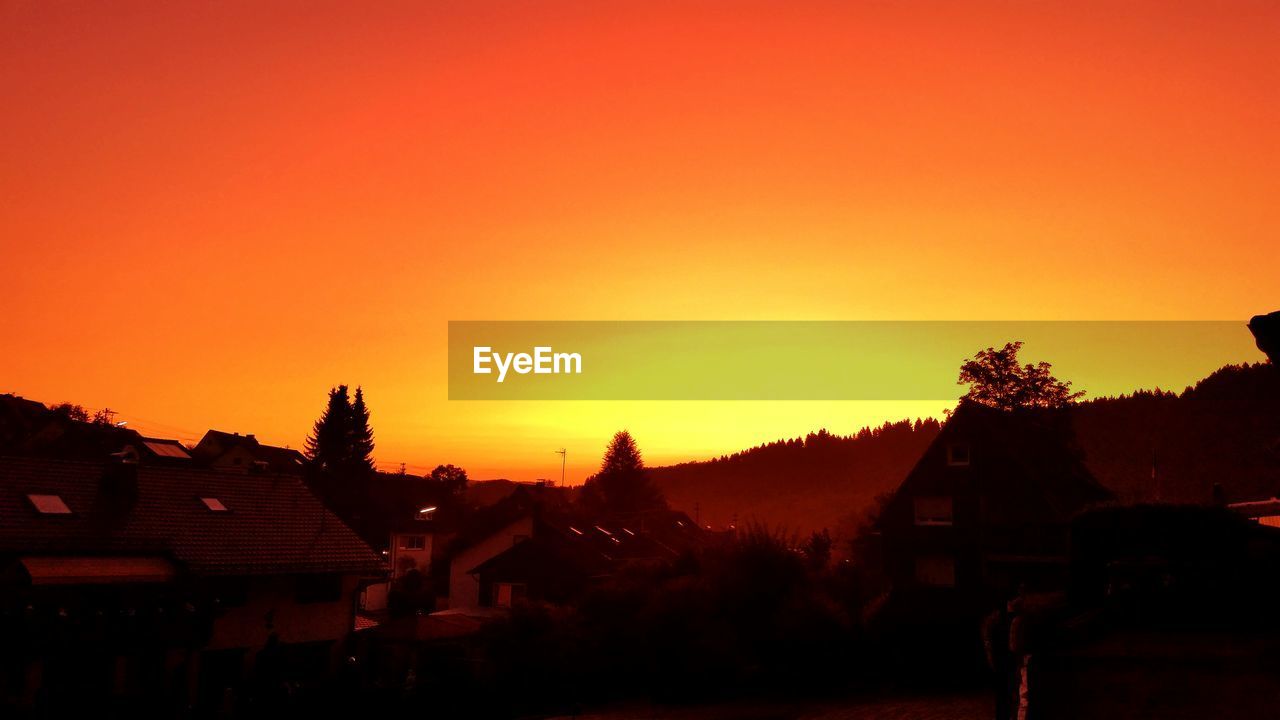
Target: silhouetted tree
(330, 444)
(361, 434)
(78, 413)
(452, 477)
(817, 549)
(998, 380)
(622, 485)
(71, 411)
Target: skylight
(214, 504)
(48, 504)
(164, 449)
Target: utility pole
(563, 453)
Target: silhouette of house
(126, 584)
(1172, 615)
(1264, 511)
(397, 515)
(157, 450)
(533, 546)
(489, 532)
(29, 428)
(233, 451)
(988, 506)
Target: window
(936, 570)
(413, 542)
(48, 504)
(319, 588)
(958, 454)
(214, 504)
(933, 510)
(507, 594)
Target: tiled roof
(273, 524)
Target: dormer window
(48, 504)
(214, 504)
(958, 454)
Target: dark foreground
(943, 707)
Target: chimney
(118, 490)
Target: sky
(210, 213)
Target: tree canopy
(452, 477)
(997, 379)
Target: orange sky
(211, 212)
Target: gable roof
(542, 557)
(381, 504)
(217, 443)
(273, 524)
(1024, 463)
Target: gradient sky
(211, 212)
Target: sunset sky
(212, 212)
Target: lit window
(413, 542)
(933, 510)
(214, 504)
(936, 570)
(958, 454)
(48, 504)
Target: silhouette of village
(1034, 555)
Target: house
(987, 508)
(158, 587)
(29, 428)
(233, 451)
(490, 532)
(533, 546)
(156, 450)
(1265, 511)
(1173, 616)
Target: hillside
(1225, 430)
(801, 484)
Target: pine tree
(623, 485)
(330, 444)
(361, 435)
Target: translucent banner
(818, 360)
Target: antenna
(563, 453)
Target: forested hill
(800, 484)
(1225, 430)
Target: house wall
(464, 589)
(237, 458)
(271, 606)
(403, 559)
(907, 545)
